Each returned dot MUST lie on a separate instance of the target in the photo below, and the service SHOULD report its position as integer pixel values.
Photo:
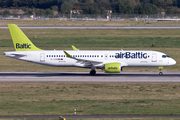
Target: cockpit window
(163, 56)
(167, 56)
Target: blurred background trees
(95, 6)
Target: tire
(160, 73)
(92, 72)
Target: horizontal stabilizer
(19, 54)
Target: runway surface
(85, 77)
(95, 27)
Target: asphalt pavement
(85, 77)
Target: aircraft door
(154, 57)
(42, 57)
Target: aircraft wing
(90, 62)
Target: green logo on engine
(114, 68)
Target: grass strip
(61, 98)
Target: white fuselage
(127, 58)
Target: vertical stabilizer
(20, 40)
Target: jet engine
(112, 67)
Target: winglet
(74, 48)
(67, 54)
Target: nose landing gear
(160, 73)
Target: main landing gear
(92, 72)
(160, 73)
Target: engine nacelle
(112, 67)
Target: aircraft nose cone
(172, 62)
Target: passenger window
(92, 55)
(57, 55)
(97, 55)
(101, 55)
(87, 55)
(61, 55)
(49, 55)
(64, 56)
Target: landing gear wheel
(160, 73)
(92, 72)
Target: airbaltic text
(133, 55)
(24, 45)
(115, 68)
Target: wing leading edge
(92, 62)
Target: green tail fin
(20, 40)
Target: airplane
(110, 61)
